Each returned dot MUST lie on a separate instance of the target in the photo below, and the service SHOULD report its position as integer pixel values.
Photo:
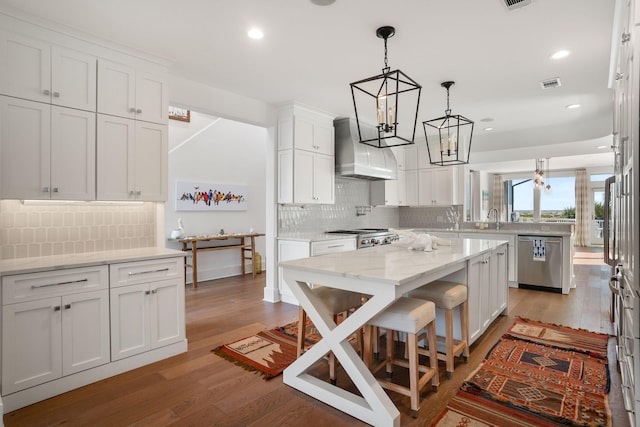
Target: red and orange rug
(268, 352)
(537, 374)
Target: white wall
(227, 152)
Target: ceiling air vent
(515, 4)
(550, 83)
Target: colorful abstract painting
(199, 196)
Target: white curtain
(498, 198)
(583, 215)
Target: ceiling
(311, 53)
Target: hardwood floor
(200, 388)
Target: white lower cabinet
(147, 306)
(64, 328)
(289, 250)
(487, 290)
(60, 328)
(145, 317)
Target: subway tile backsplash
(350, 195)
(48, 228)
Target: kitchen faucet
(497, 217)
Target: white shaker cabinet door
(116, 89)
(152, 101)
(31, 344)
(25, 69)
(73, 154)
(85, 331)
(129, 321)
(73, 79)
(150, 162)
(324, 179)
(115, 148)
(167, 309)
(25, 149)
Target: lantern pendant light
(386, 105)
(448, 137)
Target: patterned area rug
(536, 375)
(268, 352)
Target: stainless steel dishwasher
(540, 262)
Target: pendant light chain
(448, 110)
(386, 61)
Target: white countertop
(314, 236)
(511, 231)
(58, 262)
(394, 263)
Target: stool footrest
(458, 347)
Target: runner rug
(268, 352)
(537, 374)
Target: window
(560, 203)
(599, 177)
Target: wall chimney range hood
(362, 161)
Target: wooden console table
(191, 244)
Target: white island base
(384, 273)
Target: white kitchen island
(384, 273)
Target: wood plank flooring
(199, 388)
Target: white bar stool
(411, 316)
(336, 301)
(448, 296)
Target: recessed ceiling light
(487, 119)
(488, 128)
(560, 54)
(600, 147)
(573, 106)
(255, 33)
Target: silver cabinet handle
(154, 291)
(56, 94)
(67, 306)
(138, 193)
(147, 292)
(626, 37)
(45, 190)
(500, 253)
(149, 271)
(56, 190)
(46, 92)
(139, 111)
(56, 308)
(132, 110)
(59, 283)
(335, 246)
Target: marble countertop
(492, 231)
(59, 262)
(314, 236)
(393, 263)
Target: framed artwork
(181, 114)
(202, 196)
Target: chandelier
(448, 137)
(538, 175)
(386, 105)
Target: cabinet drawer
(129, 273)
(35, 286)
(329, 246)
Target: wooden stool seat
(336, 301)
(447, 296)
(411, 316)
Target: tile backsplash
(430, 216)
(352, 197)
(32, 229)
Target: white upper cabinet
(132, 160)
(438, 186)
(126, 92)
(306, 162)
(36, 70)
(46, 152)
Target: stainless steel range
(368, 237)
